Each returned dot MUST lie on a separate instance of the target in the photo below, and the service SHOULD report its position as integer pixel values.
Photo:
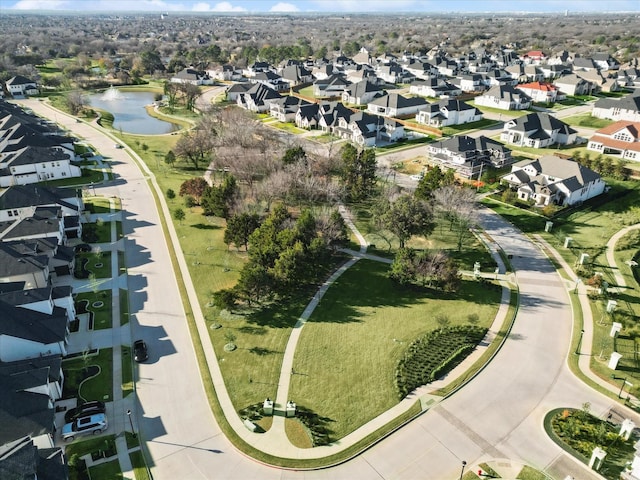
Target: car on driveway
(117, 145)
(94, 424)
(84, 410)
(140, 352)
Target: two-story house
(620, 139)
(553, 180)
(538, 130)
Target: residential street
(497, 415)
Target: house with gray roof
(434, 87)
(625, 108)
(27, 333)
(448, 112)
(21, 201)
(368, 130)
(573, 85)
(20, 265)
(42, 374)
(19, 86)
(331, 86)
(271, 80)
(553, 180)
(258, 98)
(43, 300)
(504, 97)
(296, 75)
(361, 93)
(538, 130)
(396, 105)
(192, 76)
(24, 413)
(284, 109)
(468, 155)
(26, 459)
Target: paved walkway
(585, 347)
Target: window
(10, 213)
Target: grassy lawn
(124, 306)
(287, 127)
(127, 371)
(505, 113)
(523, 219)
(350, 348)
(102, 316)
(99, 204)
(98, 387)
(586, 120)
(98, 232)
(106, 471)
(139, 467)
(98, 264)
(89, 176)
(465, 127)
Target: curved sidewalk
(585, 347)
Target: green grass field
(349, 350)
(96, 388)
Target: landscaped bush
(579, 432)
(435, 354)
(316, 426)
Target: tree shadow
(202, 226)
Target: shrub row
(434, 354)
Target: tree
(195, 187)
(405, 217)
(179, 215)
(225, 299)
(217, 200)
(432, 180)
(170, 158)
(195, 146)
(403, 267)
(458, 206)
(334, 229)
(75, 101)
(240, 227)
(358, 171)
(293, 155)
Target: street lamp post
(464, 464)
(577, 352)
(622, 387)
(131, 422)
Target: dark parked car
(140, 353)
(84, 410)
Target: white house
(538, 130)
(20, 85)
(553, 180)
(32, 164)
(504, 97)
(29, 334)
(541, 92)
(361, 93)
(192, 76)
(395, 105)
(625, 108)
(620, 139)
(448, 112)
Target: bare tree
(457, 205)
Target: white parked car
(417, 177)
(94, 424)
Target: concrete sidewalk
(585, 347)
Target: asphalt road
(499, 414)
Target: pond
(129, 113)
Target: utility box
(267, 407)
(290, 410)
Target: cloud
(369, 6)
(284, 7)
(39, 4)
(218, 7)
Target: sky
(322, 6)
